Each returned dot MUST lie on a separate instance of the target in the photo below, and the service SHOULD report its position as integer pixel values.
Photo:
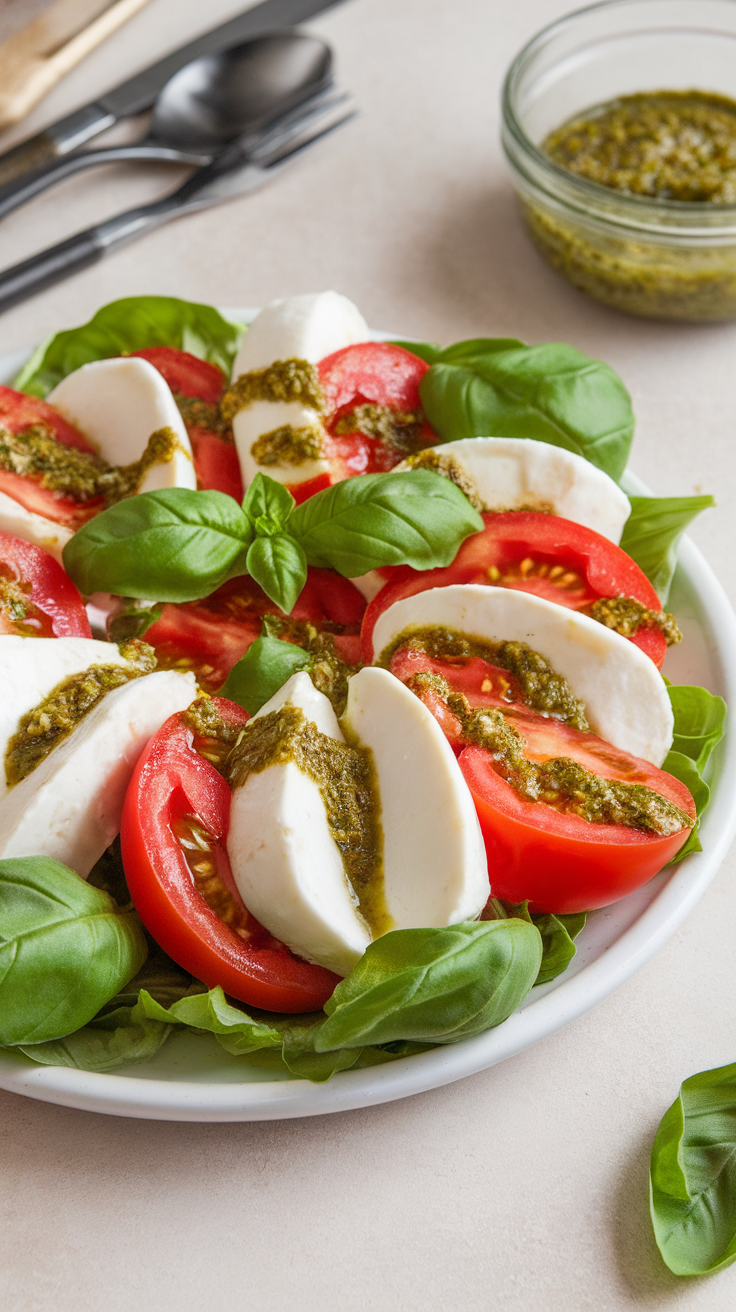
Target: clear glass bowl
(658, 258)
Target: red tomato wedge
(191, 379)
(173, 836)
(547, 854)
(209, 636)
(19, 412)
(546, 555)
(37, 598)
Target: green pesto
(626, 616)
(200, 414)
(287, 445)
(284, 380)
(671, 145)
(560, 782)
(398, 430)
(14, 599)
(214, 737)
(446, 464)
(542, 689)
(41, 729)
(329, 673)
(35, 453)
(345, 777)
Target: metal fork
(245, 165)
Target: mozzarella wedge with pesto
(26, 524)
(624, 695)
(69, 807)
(435, 869)
(299, 328)
(118, 404)
(518, 473)
(287, 866)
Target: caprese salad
(371, 715)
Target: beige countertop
(524, 1187)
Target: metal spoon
(204, 106)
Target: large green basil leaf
(552, 393)
(132, 324)
(66, 949)
(558, 934)
(433, 985)
(118, 1038)
(278, 564)
(686, 770)
(266, 666)
(427, 351)
(692, 1175)
(652, 533)
(415, 518)
(700, 719)
(173, 545)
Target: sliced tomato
(209, 636)
(18, 412)
(191, 379)
(546, 555)
(37, 597)
(173, 835)
(553, 857)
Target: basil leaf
(433, 985)
(686, 770)
(558, 935)
(551, 393)
(692, 1175)
(118, 1038)
(427, 351)
(266, 666)
(173, 545)
(416, 518)
(700, 719)
(132, 324)
(269, 504)
(65, 949)
(279, 566)
(652, 533)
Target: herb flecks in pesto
(201, 414)
(41, 729)
(446, 464)
(559, 782)
(672, 145)
(288, 446)
(345, 777)
(284, 380)
(542, 689)
(626, 616)
(15, 604)
(397, 429)
(36, 454)
(329, 673)
(213, 736)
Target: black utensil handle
(49, 266)
(61, 137)
(16, 193)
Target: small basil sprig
(66, 948)
(266, 666)
(652, 533)
(692, 1194)
(178, 545)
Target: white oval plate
(193, 1079)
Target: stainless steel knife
(138, 93)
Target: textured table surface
(524, 1187)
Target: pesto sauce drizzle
(398, 430)
(329, 673)
(197, 413)
(36, 453)
(560, 782)
(542, 689)
(287, 446)
(345, 777)
(14, 599)
(445, 464)
(626, 616)
(284, 380)
(41, 729)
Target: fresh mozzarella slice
(69, 808)
(295, 328)
(118, 404)
(370, 584)
(518, 473)
(624, 695)
(31, 668)
(22, 523)
(285, 862)
(434, 862)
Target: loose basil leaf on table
(132, 324)
(652, 534)
(266, 666)
(66, 948)
(498, 387)
(692, 1194)
(416, 518)
(173, 545)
